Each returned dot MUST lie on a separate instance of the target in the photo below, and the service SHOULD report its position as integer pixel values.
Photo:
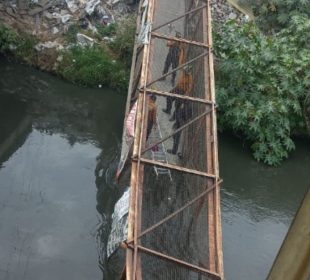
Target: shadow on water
(59, 146)
(15, 125)
(258, 205)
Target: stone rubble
(49, 20)
(222, 11)
(84, 40)
(42, 16)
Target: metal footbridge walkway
(174, 221)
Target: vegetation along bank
(262, 66)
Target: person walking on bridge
(182, 108)
(183, 87)
(152, 114)
(174, 57)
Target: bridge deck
(174, 225)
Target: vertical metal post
(218, 224)
(133, 263)
(293, 260)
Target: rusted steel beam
(178, 68)
(133, 196)
(175, 167)
(184, 97)
(209, 152)
(179, 17)
(141, 132)
(166, 37)
(178, 211)
(131, 257)
(133, 67)
(293, 259)
(178, 130)
(190, 266)
(218, 224)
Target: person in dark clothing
(173, 57)
(183, 87)
(183, 114)
(152, 114)
(183, 110)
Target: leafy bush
(8, 39)
(124, 39)
(107, 30)
(273, 15)
(73, 29)
(20, 45)
(108, 65)
(92, 67)
(261, 85)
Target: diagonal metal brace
(209, 273)
(179, 17)
(174, 167)
(166, 37)
(179, 129)
(177, 96)
(178, 68)
(205, 192)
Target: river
(59, 145)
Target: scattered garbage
(55, 30)
(91, 5)
(65, 18)
(119, 227)
(73, 5)
(84, 40)
(48, 45)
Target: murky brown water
(56, 198)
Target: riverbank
(87, 43)
(93, 63)
(91, 45)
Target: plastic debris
(119, 227)
(84, 40)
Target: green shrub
(261, 85)
(123, 42)
(107, 30)
(273, 15)
(19, 45)
(8, 39)
(93, 66)
(25, 48)
(73, 29)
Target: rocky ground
(49, 21)
(223, 11)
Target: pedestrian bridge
(174, 221)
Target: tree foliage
(273, 15)
(261, 84)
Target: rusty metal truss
(199, 137)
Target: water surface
(59, 146)
(258, 205)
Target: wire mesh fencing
(174, 227)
